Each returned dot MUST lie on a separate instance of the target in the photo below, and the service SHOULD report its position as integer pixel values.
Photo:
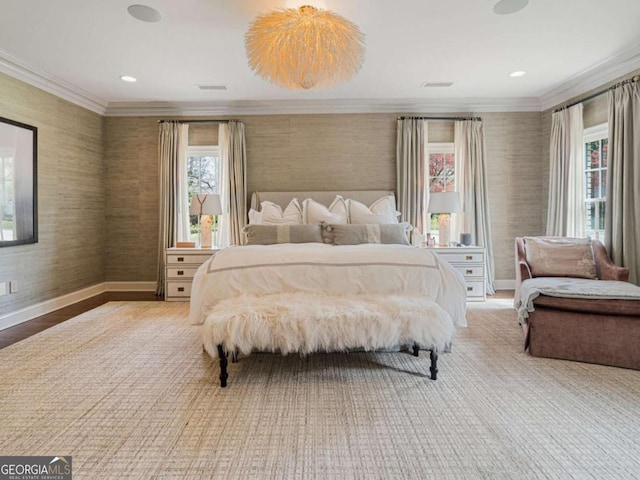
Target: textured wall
(132, 198)
(203, 134)
(316, 152)
(321, 152)
(513, 174)
(71, 199)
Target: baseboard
(505, 284)
(130, 286)
(48, 306)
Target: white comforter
(315, 267)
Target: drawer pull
(181, 259)
(468, 271)
(469, 257)
(180, 272)
(469, 289)
(181, 289)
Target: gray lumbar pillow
(270, 234)
(367, 233)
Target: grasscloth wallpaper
(317, 152)
(69, 255)
(98, 181)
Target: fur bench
(311, 322)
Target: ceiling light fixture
(144, 13)
(519, 73)
(128, 78)
(304, 48)
(507, 7)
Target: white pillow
(314, 212)
(272, 214)
(255, 217)
(381, 212)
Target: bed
(308, 297)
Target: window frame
(202, 151)
(431, 219)
(595, 133)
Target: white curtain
(410, 171)
(622, 216)
(566, 213)
(182, 187)
(233, 196)
(172, 144)
(471, 183)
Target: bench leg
(223, 366)
(434, 365)
(416, 350)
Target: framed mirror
(18, 183)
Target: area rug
(127, 391)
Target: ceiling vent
(436, 84)
(212, 88)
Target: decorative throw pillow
(355, 234)
(314, 212)
(560, 257)
(270, 234)
(381, 211)
(255, 217)
(272, 214)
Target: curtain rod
(194, 121)
(601, 92)
(440, 118)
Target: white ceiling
(79, 48)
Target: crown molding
(17, 68)
(580, 84)
(278, 107)
(593, 77)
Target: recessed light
(144, 13)
(507, 7)
(128, 78)
(519, 73)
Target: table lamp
(205, 205)
(444, 203)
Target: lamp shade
(444, 202)
(205, 204)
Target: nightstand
(180, 267)
(470, 262)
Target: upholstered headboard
(283, 198)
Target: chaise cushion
(560, 257)
(588, 305)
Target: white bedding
(315, 267)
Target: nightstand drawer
(179, 289)
(475, 290)
(462, 257)
(469, 262)
(181, 272)
(468, 271)
(181, 265)
(196, 259)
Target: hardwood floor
(19, 332)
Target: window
(596, 144)
(441, 177)
(203, 176)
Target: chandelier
(304, 48)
